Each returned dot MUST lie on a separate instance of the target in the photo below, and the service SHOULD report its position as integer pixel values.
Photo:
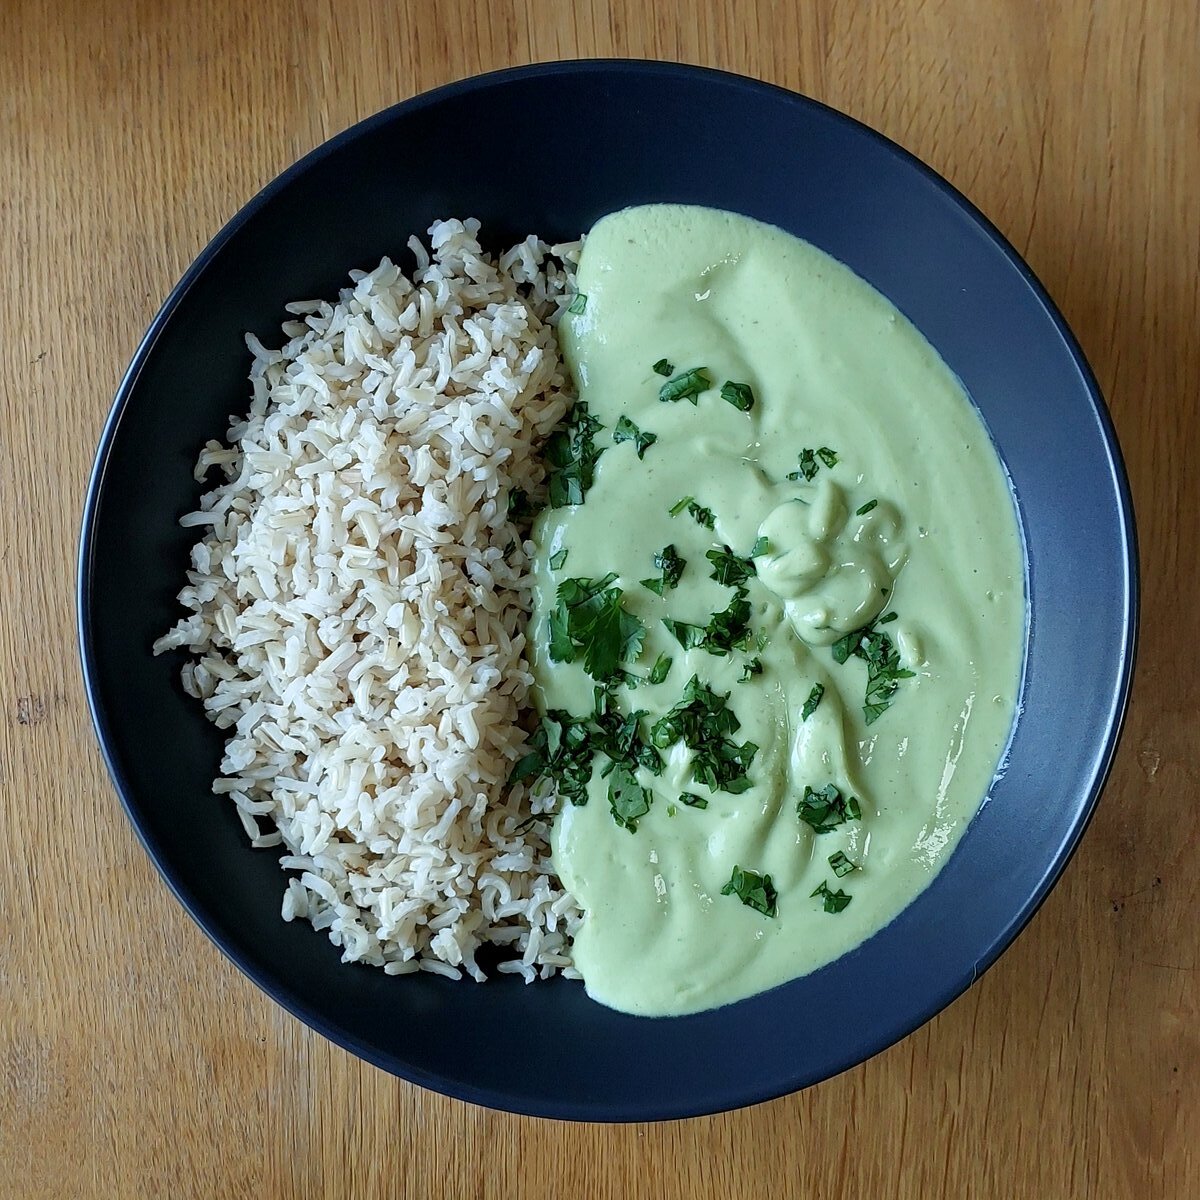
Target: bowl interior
(549, 150)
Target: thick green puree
(828, 638)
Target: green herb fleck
(863, 509)
(627, 798)
(571, 454)
(558, 561)
(750, 668)
(578, 305)
(692, 800)
(663, 367)
(726, 631)
(728, 568)
(521, 509)
(627, 431)
(688, 636)
(827, 808)
(827, 456)
(808, 466)
(703, 722)
(884, 671)
(814, 698)
(701, 514)
(687, 386)
(760, 547)
(738, 394)
(887, 618)
(834, 901)
(841, 864)
(671, 566)
(591, 619)
(660, 670)
(753, 890)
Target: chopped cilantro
(578, 305)
(887, 618)
(663, 367)
(571, 454)
(827, 808)
(660, 670)
(761, 546)
(750, 668)
(590, 618)
(521, 509)
(863, 509)
(827, 456)
(627, 431)
(726, 630)
(558, 561)
(814, 698)
(738, 394)
(703, 722)
(841, 864)
(692, 800)
(753, 890)
(834, 901)
(703, 515)
(808, 466)
(884, 671)
(687, 386)
(627, 798)
(688, 636)
(728, 568)
(671, 566)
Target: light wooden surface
(135, 1061)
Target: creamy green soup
(796, 563)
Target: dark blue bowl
(550, 149)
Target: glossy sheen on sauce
(831, 364)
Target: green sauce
(847, 458)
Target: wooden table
(135, 1061)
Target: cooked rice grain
(358, 605)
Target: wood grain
(134, 1061)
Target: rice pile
(358, 603)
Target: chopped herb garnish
(738, 394)
(521, 509)
(863, 509)
(726, 630)
(663, 367)
(627, 798)
(571, 453)
(660, 670)
(560, 748)
(671, 566)
(558, 561)
(827, 456)
(834, 901)
(753, 890)
(841, 864)
(703, 722)
(728, 568)
(808, 466)
(687, 386)
(761, 546)
(887, 618)
(692, 800)
(591, 620)
(814, 698)
(627, 431)
(884, 671)
(671, 810)
(578, 304)
(827, 808)
(701, 514)
(750, 668)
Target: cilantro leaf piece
(827, 456)
(728, 568)
(627, 799)
(761, 546)
(663, 367)
(825, 809)
(578, 305)
(750, 668)
(738, 394)
(688, 636)
(814, 698)
(753, 890)
(558, 561)
(660, 670)
(841, 864)
(627, 431)
(571, 455)
(834, 901)
(687, 386)
(703, 721)
(692, 800)
(863, 509)
(808, 466)
(667, 560)
(591, 618)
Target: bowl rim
(886, 1034)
